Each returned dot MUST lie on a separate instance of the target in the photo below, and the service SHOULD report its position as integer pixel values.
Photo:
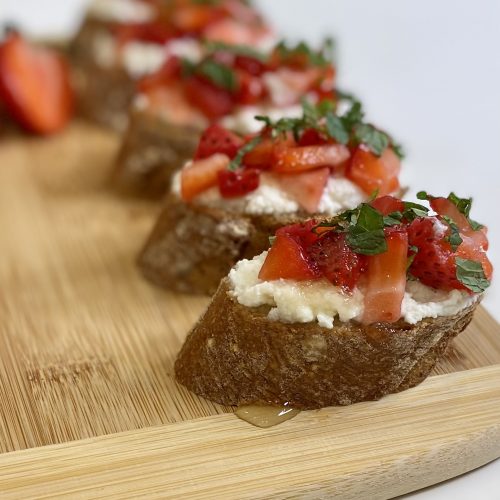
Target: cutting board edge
(86, 466)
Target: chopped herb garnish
(366, 236)
(336, 129)
(246, 148)
(322, 57)
(414, 210)
(376, 140)
(220, 75)
(240, 50)
(454, 238)
(393, 219)
(471, 274)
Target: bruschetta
(340, 311)
(226, 203)
(230, 85)
(123, 40)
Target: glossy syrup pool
(266, 416)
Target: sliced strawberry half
(371, 172)
(35, 86)
(388, 204)
(202, 175)
(217, 139)
(300, 158)
(287, 260)
(306, 188)
(386, 280)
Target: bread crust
(152, 150)
(192, 247)
(234, 355)
(104, 94)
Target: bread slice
(192, 247)
(152, 150)
(234, 355)
(104, 94)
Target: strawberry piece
(371, 172)
(336, 260)
(388, 204)
(238, 183)
(212, 101)
(434, 263)
(169, 72)
(287, 259)
(298, 159)
(386, 279)
(305, 233)
(217, 139)
(202, 175)
(250, 65)
(35, 86)
(306, 187)
(444, 207)
(311, 137)
(251, 89)
(262, 155)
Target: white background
(428, 71)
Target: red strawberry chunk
(434, 263)
(337, 262)
(287, 260)
(388, 204)
(217, 139)
(311, 137)
(212, 101)
(386, 279)
(304, 233)
(238, 183)
(300, 158)
(306, 187)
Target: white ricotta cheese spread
(304, 302)
(340, 194)
(141, 58)
(121, 11)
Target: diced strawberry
(238, 183)
(287, 259)
(386, 280)
(306, 188)
(262, 155)
(217, 139)
(250, 65)
(235, 33)
(305, 233)
(371, 172)
(311, 137)
(251, 89)
(170, 70)
(212, 101)
(298, 159)
(444, 207)
(336, 260)
(471, 249)
(434, 263)
(35, 85)
(150, 32)
(388, 204)
(202, 175)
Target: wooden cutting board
(87, 351)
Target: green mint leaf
(366, 236)
(354, 116)
(322, 57)
(475, 226)
(367, 134)
(454, 238)
(220, 75)
(335, 128)
(414, 210)
(423, 195)
(310, 113)
(471, 274)
(246, 148)
(398, 149)
(464, 206)
(265, 119)
(393, 219)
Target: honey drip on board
(266, 416)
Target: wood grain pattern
(365, 451)
(87, 345)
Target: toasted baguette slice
(104, 94)
(192, 247)
(152, 150)
(234, 355)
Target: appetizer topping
(379, 246)
(229, 77)
(303, 157)
(34, 85)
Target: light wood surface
(365, 451)
(87, 349)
